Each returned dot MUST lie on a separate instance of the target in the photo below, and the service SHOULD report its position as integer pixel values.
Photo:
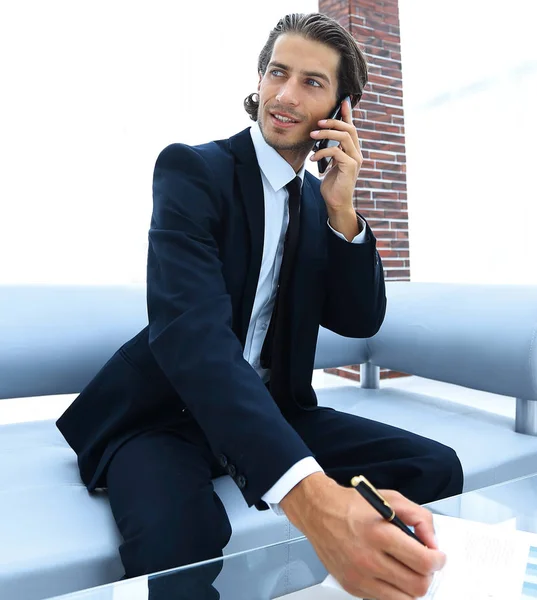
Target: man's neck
(294, 158)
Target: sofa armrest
(334, 350)
(478, 336)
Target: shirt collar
(273, 166)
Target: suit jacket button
(241, 481)
(222, 459)
(232, 471)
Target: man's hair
(317, 27)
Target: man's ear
(259, 82)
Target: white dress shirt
(276, 173)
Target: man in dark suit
(248, 255)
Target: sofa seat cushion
(58, 538)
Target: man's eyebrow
(317, 74)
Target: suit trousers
(163, 501)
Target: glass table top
(278, 569)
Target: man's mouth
(283, 119)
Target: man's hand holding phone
(323, 143)
(337, 142)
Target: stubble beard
(299, 146)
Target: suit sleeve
(355, 302)
(190, 328)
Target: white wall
(91, 92)
(470, 92)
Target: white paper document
(484, 562)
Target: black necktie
(275, 351)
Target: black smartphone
(324, 143)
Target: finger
(344, 124)
(338, 125)
(336, 153)
(377, 588)
(345, 139)
(400, 576)
(416, 516)
(396, 584)
(406, 550)
(346, 112)
(337, 159)
(387, 590)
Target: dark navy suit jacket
(205, 250)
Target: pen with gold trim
(374, 498)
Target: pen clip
(360, 479)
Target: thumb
(415, 516)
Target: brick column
(380, 194)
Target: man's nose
(288, 93)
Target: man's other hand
(370, 557)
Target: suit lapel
(250, 187)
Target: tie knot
(293, 187)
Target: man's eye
(276, 72)
(313, 83)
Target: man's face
(298, 89)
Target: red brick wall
(380, 194)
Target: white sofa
(56, 538)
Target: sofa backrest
(54, 339)
(478, 336)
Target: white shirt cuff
(358, 239)
(298, 472)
